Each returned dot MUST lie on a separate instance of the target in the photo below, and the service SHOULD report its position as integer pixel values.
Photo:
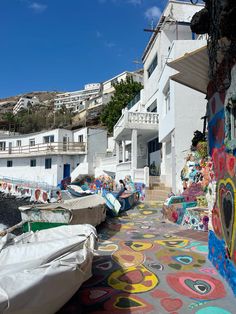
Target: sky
(60, 45)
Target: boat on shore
(41, 271)
(84, 210)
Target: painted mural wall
(217, 20)
(222, 144)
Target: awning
(193, 69)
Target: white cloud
(153, 13)
(109, 44)
(98, 34)
(37, 7)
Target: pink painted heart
(170, 304)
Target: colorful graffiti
(133, 279)
(222, 246)
(197, 286)
(20, 190)
(180, 260)
(139, 272)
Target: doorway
(66, 171)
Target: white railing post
(146, 176)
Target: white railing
(81, 169)
(138, 120)
(138, 175)
(124, 166)
(143, 117)
(44, 148)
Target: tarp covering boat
(77, 191)
(41, 271)
(89, 210)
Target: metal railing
(133, 101)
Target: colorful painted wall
(217, 19)
(221, 126)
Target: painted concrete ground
(144, 266)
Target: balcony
(44, 149)
(145, 121)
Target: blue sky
(63, 44)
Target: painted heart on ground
(170, 304)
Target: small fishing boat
(117, 204)
(41, 271)
(85, 210)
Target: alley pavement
(147, 265)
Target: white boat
(41, 271)
(83, 210)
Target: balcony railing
(136, 120)
(143, 117)
(44, 149)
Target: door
(66, 172)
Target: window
(9, 163)
(18, 143)
(167, 100)
(32, 142)
(2, 145)
(81, 138)
(166, 93)
(152, 66)
(233, 123)
(48, 163)
(152, 107)
(48, 139)
(33, 163)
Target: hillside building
(25, 102)
(93, 95)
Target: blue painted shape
(183, 259)
(213, 310)
(213, 143)
(218, 256)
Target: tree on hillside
(10, 118)
(125, 91)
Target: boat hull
(86, 210)
(36, 265)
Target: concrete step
(156, 195)
(160, 186)
(154, 179)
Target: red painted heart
(170, 304)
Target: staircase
(157, 191)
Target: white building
(93, 95)
(25, 102)
(177, 120)
(76, 101)
(52, 155)
(156, 128)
